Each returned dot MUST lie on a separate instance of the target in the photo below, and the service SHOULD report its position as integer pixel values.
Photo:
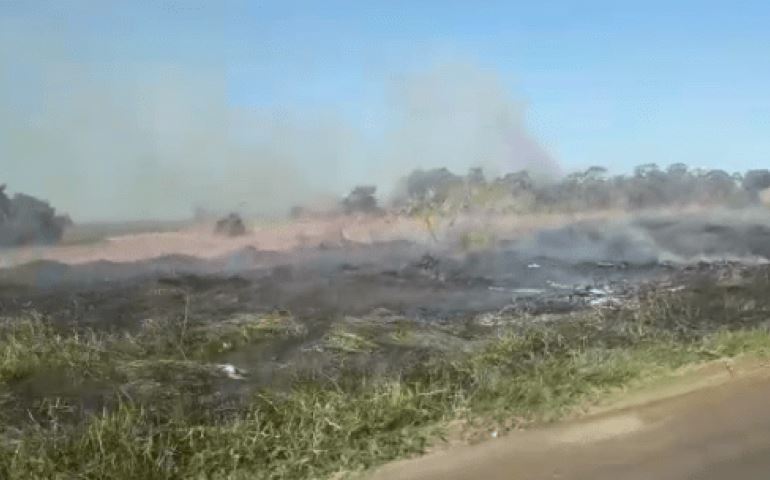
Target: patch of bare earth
(201, 242)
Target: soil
(377, 276)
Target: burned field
(308, 363)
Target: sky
(149, 108)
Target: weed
(169, 415)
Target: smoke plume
(129, 138)
(461, 116)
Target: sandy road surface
(717, 432)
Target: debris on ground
(605, 264)
(561, 298)
(427, 262)
(231, 371)
(231, 226)
(427, 265)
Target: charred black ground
(433, 281)
(442, 288)
(270, 361)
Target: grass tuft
(170, 413)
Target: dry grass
(166, 416)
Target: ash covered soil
(417, 278)
(361, 298)
(338, 356)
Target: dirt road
(716, 432)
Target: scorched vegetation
(158, 402)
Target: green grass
(340, 340)
(243, 329)
(167, 418)
(30, 344)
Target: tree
(361, 200)
(5, 205)
(476, 176)
(646, 170)
(677, 170)
(756, 180)
(595, 173)
(26, 220)
(431, 184)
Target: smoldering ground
(384, 305)
(440, 278)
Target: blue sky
(604, 82)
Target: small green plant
(170, 413)
(207, 339)
(29, 344)
(344, 341)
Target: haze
(127, 110)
